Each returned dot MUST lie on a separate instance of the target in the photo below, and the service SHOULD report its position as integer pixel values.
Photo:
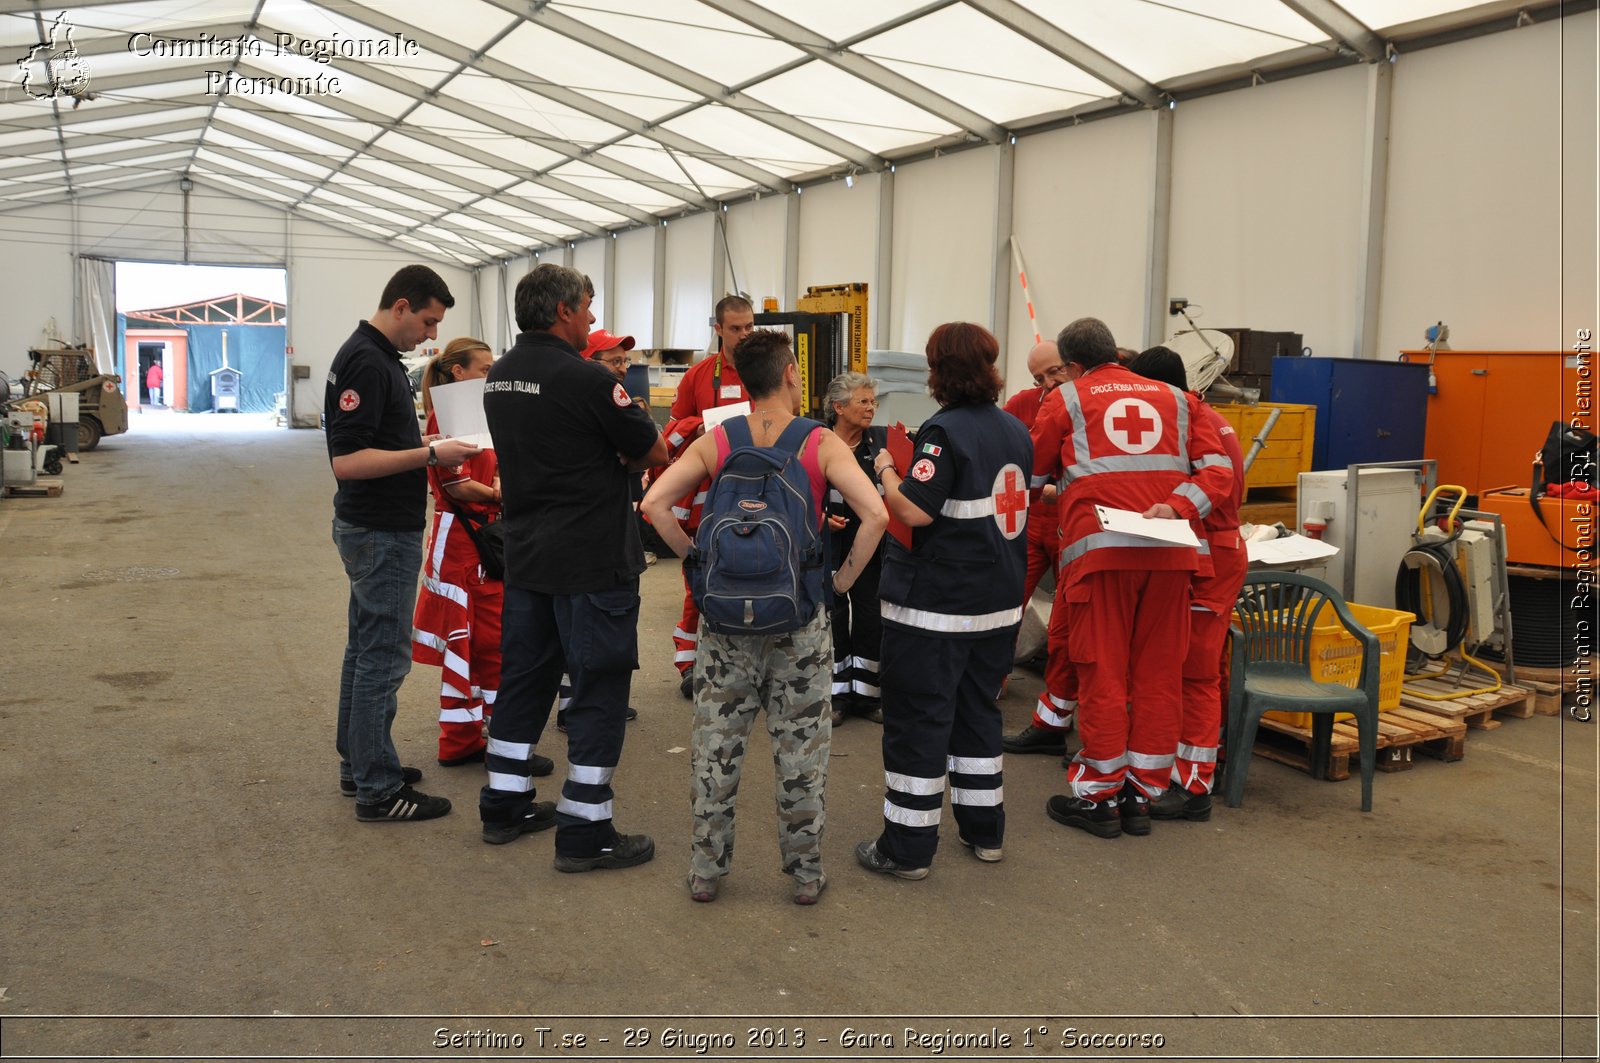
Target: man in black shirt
(379, 511)
(568, 438)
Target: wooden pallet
(1551, 685)
(1291, 745)
(1477, 710)
(1402, 734)
(40, 489)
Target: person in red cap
(610, 351)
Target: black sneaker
(686, 687)
(1134, 808)
(869, 857)
(539, 766)
(404, 804)
(1036, 739)
(541, 816)
(1100, 818)
(1177, 803)
(407, 777)
(625, 850)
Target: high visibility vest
(1116, 439)
(963, 575)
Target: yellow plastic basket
(1336, 656)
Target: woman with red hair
(951, 606)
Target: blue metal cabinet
(1366, 411)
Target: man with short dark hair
(709, 383)
(379, 513)
(1120, 441)
(567, 436)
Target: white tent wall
(36, 264)
(1266, 208)
(1580, 179)
(634, 300)
(944, 245)
(41, 242)
(515, 270)
(334, 278)
(756, 231)
(838, 237)
(589, 258)
(1475, 214)
(1082, 215)
(330, 293)
(690, 244)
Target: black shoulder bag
(1567, 456)
(488, 538)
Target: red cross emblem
(349, 400)
(1010, 501)
(1132, 425)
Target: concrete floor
(176, 846)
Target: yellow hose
(1425, 595)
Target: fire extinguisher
(38, 431)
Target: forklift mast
(829, 326)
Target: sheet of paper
(459, 410)
(1177, 532)
(717, 414)
(1290, 550)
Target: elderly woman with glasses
(857, 632)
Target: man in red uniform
(709, 383)
(1052, 715)
(1189, 796)
(1119, 441)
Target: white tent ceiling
(506, 125)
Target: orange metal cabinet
(1492, 410)
(1566, 538)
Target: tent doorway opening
(201, 339)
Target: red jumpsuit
(457, 621)
(1119, 440)
(1213, 598)
(1053, 711)
(709, 383)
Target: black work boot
(1036, 739)
(1134, 808)
(1178, 803)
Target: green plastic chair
(1275, 615)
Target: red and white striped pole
(1022, 275)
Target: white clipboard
(1178, 532)
(717, 414)
(1289, 550)
(458, 407)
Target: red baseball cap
(601, 340)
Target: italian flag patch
(929, 448)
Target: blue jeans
(594, 637)
(382, 567)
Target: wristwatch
(433, 456)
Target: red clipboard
(899, 448)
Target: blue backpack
(760, 560)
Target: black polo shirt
(369, 406)
(559, 423)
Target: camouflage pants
(735, 676)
